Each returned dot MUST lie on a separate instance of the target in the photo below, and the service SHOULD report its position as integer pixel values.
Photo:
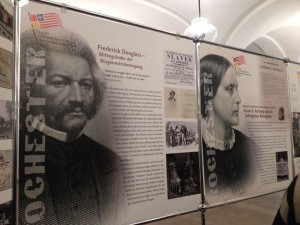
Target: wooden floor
(255, 211)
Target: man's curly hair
(63, 41)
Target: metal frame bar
(15, 108)
(286, 60)
(202, 206)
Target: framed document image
(6, 19)
(5, 68)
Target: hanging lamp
(201, 29)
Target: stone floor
(255, 211)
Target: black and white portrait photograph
(172, 96)
(183, 174)
(172, 101)
(281, 115)
(62, 88)
(227, 151)
(180, 103)
(282, 166)
(181, 134)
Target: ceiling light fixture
(200, 29)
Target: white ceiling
(270, 27)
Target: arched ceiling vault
(272, 26)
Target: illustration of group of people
(177, 134)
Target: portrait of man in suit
(66, 177)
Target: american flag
(239, 60)
(45, 20)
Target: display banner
(294, 88)
(108, 128)
(6, 64)
(245, 124)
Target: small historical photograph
(6, 19)
(282, 166)
(183, 174)
(281, 115)
(5, 169)
(181, 134)
(5, 120)
(6, 59)
(296, 133)
(6, 213)
(172, 101)
(180, 103)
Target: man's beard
(89, 111)
(62, 119)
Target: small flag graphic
(46, 20)
(239, 60)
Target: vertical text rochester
(34, 152)
(209, 124)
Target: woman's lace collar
(222, 145)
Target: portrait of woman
(226, 151)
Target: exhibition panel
(6, 117)
(132, 91)
(245, 124)
(118, 123)
(294, 90)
